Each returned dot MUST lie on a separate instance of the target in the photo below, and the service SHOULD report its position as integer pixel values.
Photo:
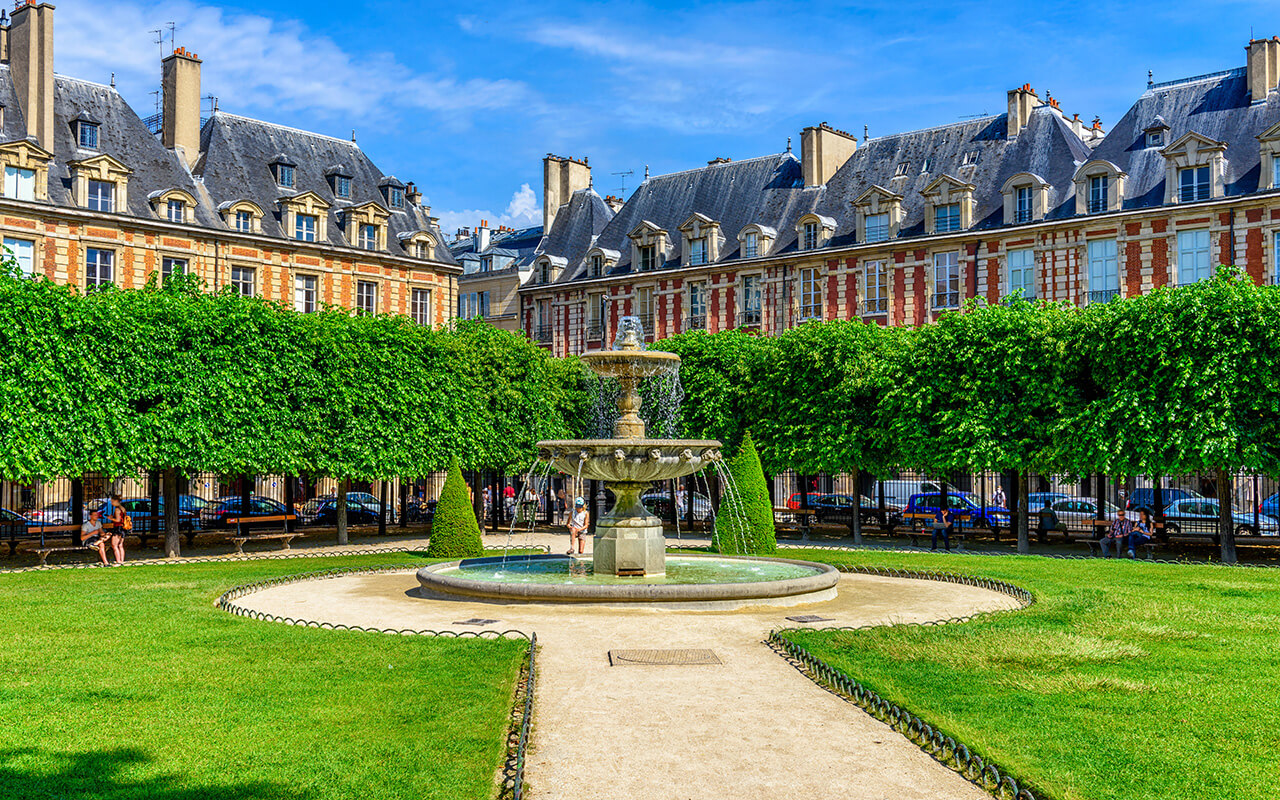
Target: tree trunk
(1024, 515)
(344, 486)
(857, 506)
(404, 503)
(1226, 522)
(382, 508)
(172, 535)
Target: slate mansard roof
(576, 228)
(1216, 106)
(235, 165)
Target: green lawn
(1125, 680)
(128, 683)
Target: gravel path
(751, 726)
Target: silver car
(1199, 515)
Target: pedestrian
(998, 499)
(509, 500)
(1048, 520)
(579, 522)
(680, 500)
(1143, 532)
(121, 524)
(562, 507)
(487, 502)
(91, 535)
(1116, 534)
(942, 524)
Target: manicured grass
(128, 683)
(1124, 680)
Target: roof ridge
(1222, 73)
(82, 80)
(347, 142)
(710, 166)
(984, 118)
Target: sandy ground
(751, 727)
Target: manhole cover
(810, 618)
(672, 658)
(476, 621)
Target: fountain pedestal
(629, 541)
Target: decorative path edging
(512, 786)
(944, 749)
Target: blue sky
(466, 99)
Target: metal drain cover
(810, 618)
(476, 621)
(664, 658)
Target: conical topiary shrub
(744, 523)
(454, 530)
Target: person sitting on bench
(942, 524)
(1119, 532)
(91, 535)
(1142, 532)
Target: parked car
(658, 503)
(1199, 516)
(1145, 497)
(839, 508)
(52, 514)
(1036, 500)
(369, 501)
(193, 503)
(325, 512)
(420, 511)
(793, 502)
(1270, 506)
(1073, 513)
(216, 514)
(140, 509)
(898, 492)
(966, 504)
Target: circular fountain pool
(695, 581)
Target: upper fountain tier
(629, 456)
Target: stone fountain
(629, 540)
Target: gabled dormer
(304, 217)
(1269, 153)
(814, 231)
(26, 170)
(1026, 198)
(173, 205)
(365, 226)
(648, 246)
(100, 183)
(392, 192)
(1195, 169)
(284, 171)
(948, 205)
(87, 131)
(879, 214)
(701, 240)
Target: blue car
(965, 508)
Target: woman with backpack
(121, 523)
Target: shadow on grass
(106, 775)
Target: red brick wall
(1133, 268)
(899, 289)
(1160, 260)
(920, 290)
(1253, 254)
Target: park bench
(920, 524)
(42, 532)
(803, 517)
(243, 535)
(1100, 527)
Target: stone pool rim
(823, 581)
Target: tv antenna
(623, 180)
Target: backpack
(127, 523)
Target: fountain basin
(630, 460)
(631, 364)
(690, 581)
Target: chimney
(31, 65)
(1021, 103)
(1077, 126)
(412, 194)
(561, 177)
(1264, 67)
(823, 150)
(614, 202)
(181, 88)
(482, 236)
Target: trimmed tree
(454, 530)
(744, 523)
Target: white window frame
(1024, 204)
(19, 183)
(23, 252)
(877, 227)
(811, 236)
(1097, 201)
(367, 297)
(1195, 248)
(946, 280)
(106, 205)
(420, 305)
(302, 231)
(170, 264)
(751, 244)
(698, 251)
(242, 277)
(1195, 189)
(244, 221)
(875, 287)
(367, 236)
(306, 293)
(94, 262)
(1021, 269)
(1104, 269)
(810, 294)
(948, 213)
(176, 210)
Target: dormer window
(244, 221)
(396, 197)
(901, 170)
(392, 192)
(814, 231)
(755, 240)
(597, 265)
(701, 240)
(970, 159)
(879, 213)
(1155, 139)
(648, 257)
(751, 245)
(174, 205)
(810, 236)
(102, 196)
(924, 168)
(946, 218)
(26, 170)
(87, 133)
(368, 237)
(176, 211)
(342, 186)
(1156, 134)
(1026, 198)
(877, 227)
(100, 183)
(948, 205)
(282, 167)
(648, 246)
(1022, 204)
(1193, 184)
(242, 216)
(304, 227)
(544, 272)
(697, 251)
(1098, 189)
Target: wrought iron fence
(1101, 296)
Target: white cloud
(256, 62)
(524, 210)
